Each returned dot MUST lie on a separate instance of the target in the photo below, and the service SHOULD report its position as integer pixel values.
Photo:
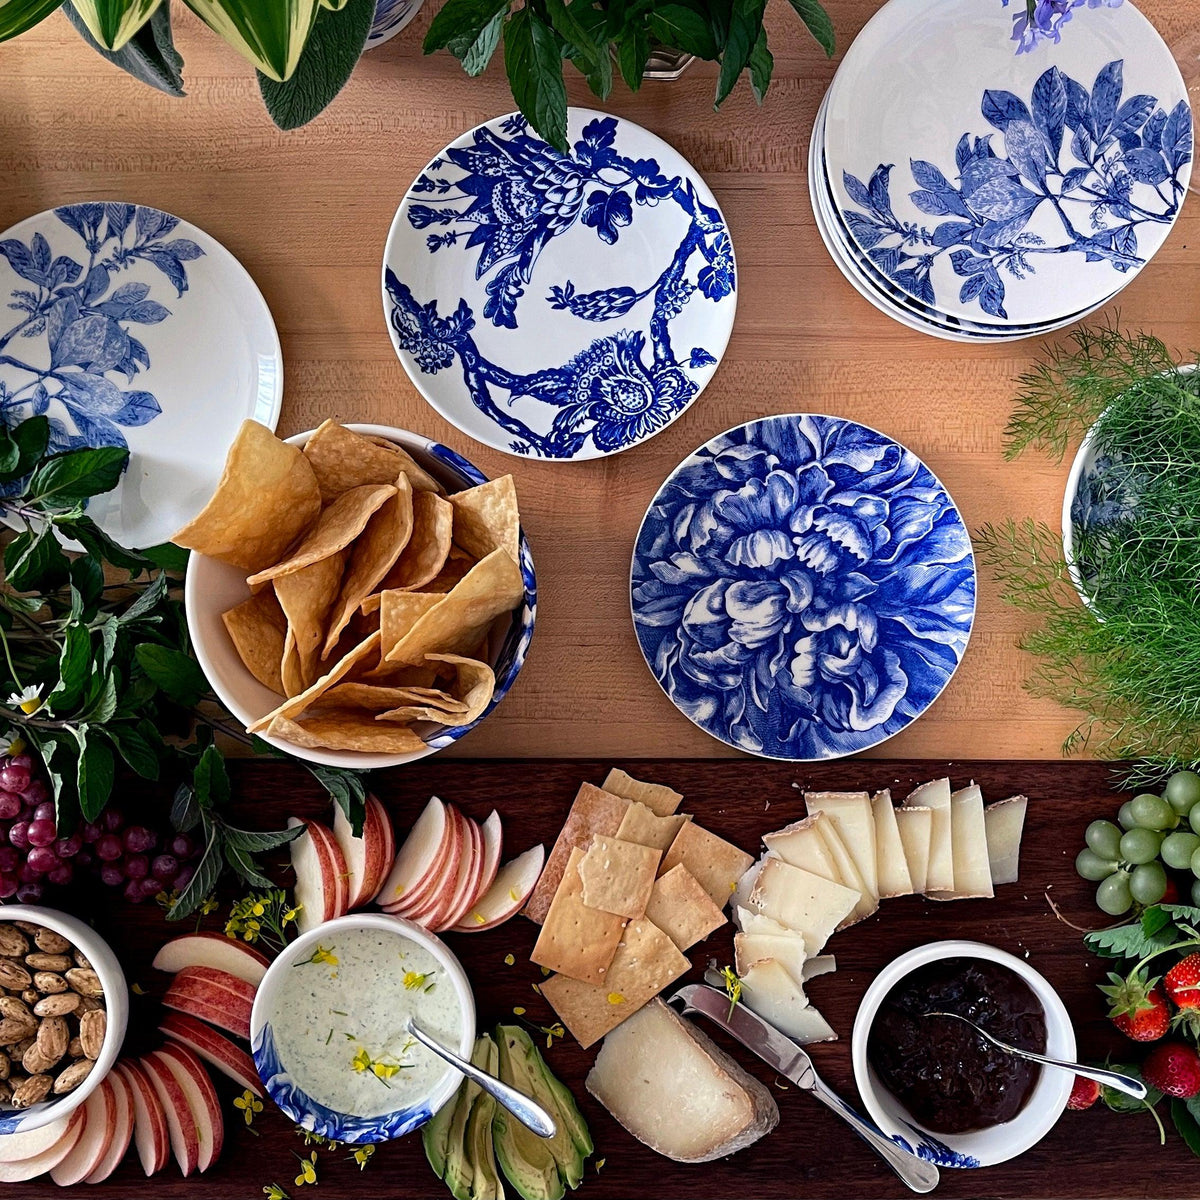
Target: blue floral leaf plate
(560, 306)
(802, 587)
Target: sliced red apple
(100, 1115)
(214, 996)
(506, 897)
(322, 889)
(422, 899)
(27, 1144)
(468, 883)
(419, 856)
(368, 858)
(202, 1099)
(150, 1136)
(213, 950)
(215, 1048)
(181, 1125)
(336, 862)
(66, 1137)
(443, 887)
(122, 1132)
(493, 847)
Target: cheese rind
(972, 874)
(850, 813)
(1004, 823)
(802, 845)
(770, 991)
(916, 825)
(939, 877)
(813, 906)
(890, 861)
(847, 872)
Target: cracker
(594, 811)
(657, 797)
(575, 940)
(682, 909)
(642, 825)
(716, 863)
(646, 961)
(618, 876)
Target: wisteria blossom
(1042, 20)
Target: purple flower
(1043, 20)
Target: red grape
(41, 832)
(18, 834)
(184, 877)
(8, 885)
(133, 891)
(10, 860)
(16, 773)
(138, 839)
(28, 872)
(61, 875)
(85, 858)
(164, 866)
(137, 866)
(42, 859)
(29, 893)
(91, 832)
(10, 805)
(68, 847)
(111, 875)
(151, 886)
(108, 847)
(35, 793)
(112, 821)
(182, 846)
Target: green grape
(1182, 792)
(1196, 892)
(1104, 838)
(1194, 818)
(1113, 895)
(1125, 816)
(1177, 850)
(1090, 865)
(1148, 883)
(1140, 845)
(1153, 812)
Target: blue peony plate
(129, 327)
(802, 587)
(559, 306)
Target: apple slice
(66, 1137)
(202, 1099)
(100, 1116)
(419, 857)
(213, 950)
(214, 996)
(181, 1125)
(368, 858)
(27, 1144)
(506, 897)
(422, 899)
(468, 883)
(215, 1048)
(335, 860)
(443, 886)
(150, 1136)
(322, 889)
(493, 847)
(122, 1133)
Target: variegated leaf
(113, 22)
(16, 16)
(270, 33)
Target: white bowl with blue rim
(391, 16)
(560, 306)
(802, 587)
(212, 588)
(270, 1052)
(132, 328)
(979, 1147)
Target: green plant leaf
(534, 66)
(135, 748)
(683, 28)
(60, 757)
(175, 673)
(1127, 941)
(349, 792)
(101, 704)
(1119, 1102)
(168, 557)
(329, 58)
(475, 61)
(745, 24)
(94, 780)
(149, 56)
(30, 439)
(113, 22)
(202, 883)
(16, 16)
(460, 23)
(74, 668)
(762, 63)
(87, 586)
(10, 453)
(585, 50)
(210, 780)
(256, 841)
(817, 21)
(1185, 1125)
(153, 594)
(185, 812)
(243, 865)
(35, 559)
(66, 479)
(633, 52)
(271, 35)
(95, 541)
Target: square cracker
(577, 941)
(618, 876)
(646, 962)
(594, 811)
(716, 863)
(657, 797)
(643, 825)
(682, 909)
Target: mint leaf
(762, 63)
(817, 21)
(633, 52)
(208, 871)
(460, 23)
(35, 560)
(94, 778)
(135, 748)
(1185, 1124)
(682, 28)
(255, 841)
(185, 812)
(348, 791)
(745, 24)
(534, 65)
(31, 438)
(95, 541)
(211, 781)
(168, 557)
(586, 51)
(475, 60)
(244, 866)
(175, 673)
(74, 669)
(66, 479)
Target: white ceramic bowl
(982, 1147)
(116, 1002)
(295, 1103)
(213, 587)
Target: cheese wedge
(745, 885)
(847, 872)
(749, 948)
(915, 825)
(850, 813)
(770, 991)
(891, 864)
(972, 872)
(813, 906)
(750, 920)
(823, 964)
(1004, 822)
(939, 877)
(802, 845)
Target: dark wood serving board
(811, 1153)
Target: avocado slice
(485, 1181)
(567, 1110)
(525, 1158)
(460, 1171)
(435, 1133)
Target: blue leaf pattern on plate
(803, 587)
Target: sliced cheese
(770, 991)
(972, 873)
(802, 845)
(676, 1091)
(788, 951)
(939, 876)
(750, 920)
(850, 813)
(847, 872)
(813, 906)
(891, 864)
(745, 885)
(915, 825)
(823, 964)
(1004, 822)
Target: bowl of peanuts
(64, 1006)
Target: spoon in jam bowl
(531, 1114)
(1113, 1079)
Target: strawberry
(1171, 895)
(1084, 1093)
(1182, 985)
(1137, 1006)
(1173, 1068)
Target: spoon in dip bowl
(531, 1114)
(1113, 1079)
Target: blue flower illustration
(1042, 20)
(803, 587)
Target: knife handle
(916, 1173)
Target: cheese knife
(794, 1063)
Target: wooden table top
(307, 213)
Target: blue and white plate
(1000, 187)
(391, 16)
(560, 306)
(130, 327)
(803, 587)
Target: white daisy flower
(28, 700)
(11, 744)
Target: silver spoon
(1113, 1079)
(531, 1114)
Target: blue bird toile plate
(559, 306)
(803, 587)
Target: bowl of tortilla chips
(358, 596)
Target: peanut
(73, 1076)
(85, 981)
(51, 942)
(31, 1091)
(12, 942)
(48, 983)
(92, 1028)
(47, 962)
(13, 976)
(57, 1006)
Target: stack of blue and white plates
(981, 195)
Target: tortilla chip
(453, 571)
(682, 909)
(716, 863)
(372, 556)
(618, 876)
(375, 698)
(258, 628)
(491, 587)
(486, 518)
(346, 729)
(399, 612)
(425, 554)
(371, 603)
(290, 671)
(576, 940)
(267, 497)
(306, 596)
(337, 526)
(342, 459)
(474, 684)
(641, 825)
(657, 797)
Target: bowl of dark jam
(932, 1082)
